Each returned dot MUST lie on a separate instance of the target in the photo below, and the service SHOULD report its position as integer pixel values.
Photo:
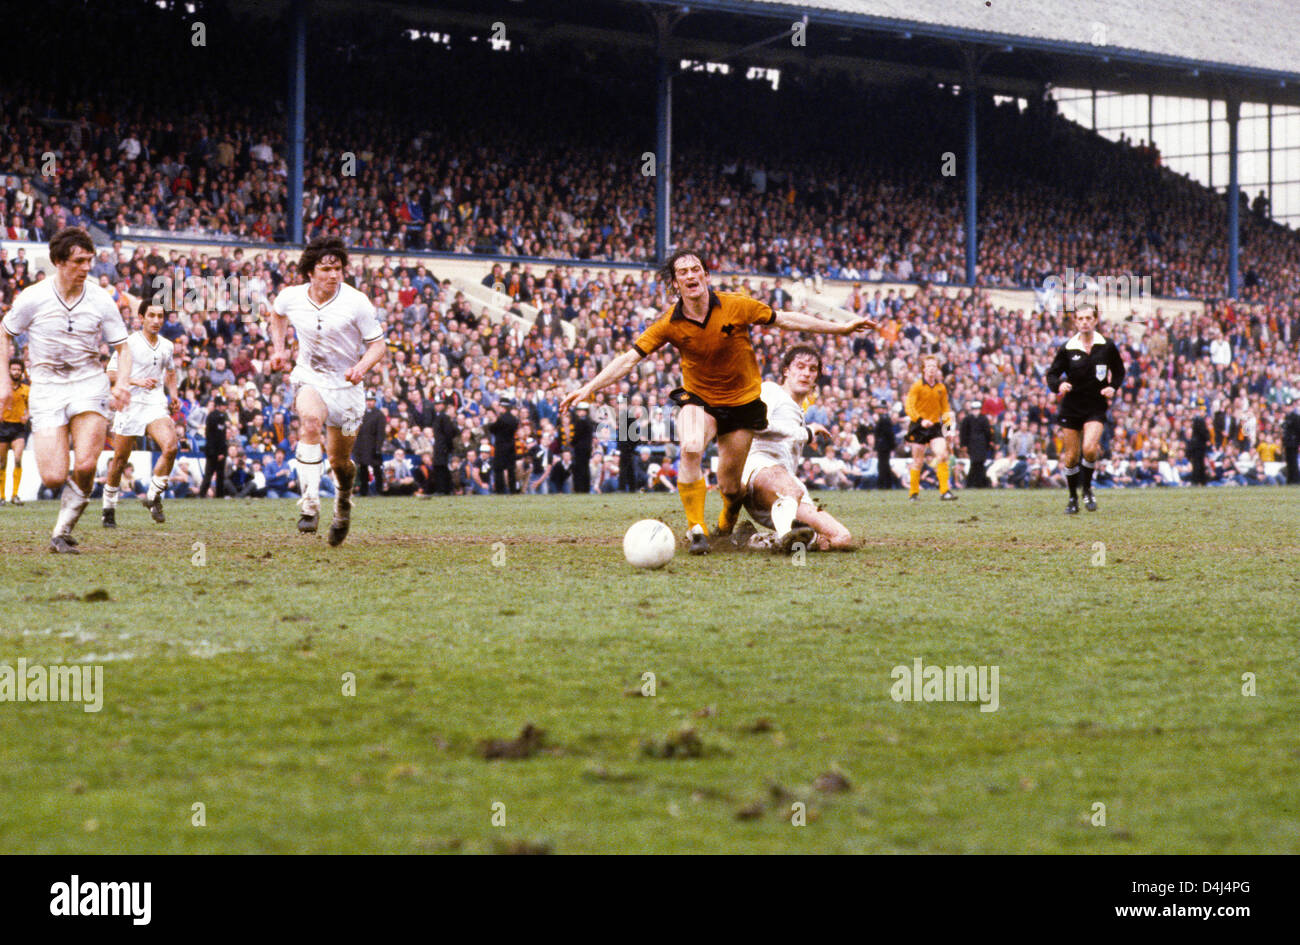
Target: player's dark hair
(668, 271)
(147, 303)
(63, 242)
(319, 248)
(788, 358)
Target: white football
(649, 544)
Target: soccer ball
(649, 544)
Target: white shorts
(53, 405)
(344, 406)
(753, 464)
(135, 419)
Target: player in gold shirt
(927, 408)
(15, 427)
(719, 396)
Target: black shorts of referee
(1074, 413)
(750, 416)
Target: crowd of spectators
(466, 406)
(866, 199)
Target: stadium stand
(500, 168)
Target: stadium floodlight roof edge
(961, 35)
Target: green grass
(1119, 684)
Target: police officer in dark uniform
(583, 429)
(1291, 445)
(886, 443)
(976, 437)
(445, 432)
(214, 448)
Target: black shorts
(14, 431)
(750, 416)
(1075, 419)
(921, 433)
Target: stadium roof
(1194, 48)
(1252, 33)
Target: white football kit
(781, 444)
(331, 338)
(147, 405)
(63, 347)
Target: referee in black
(1085, 374)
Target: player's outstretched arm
(615, 371)
(279, 356)
(375, 352)
(173, 394)
(6, 385)
(797, 321)
(120, 396)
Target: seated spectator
(399, 478)
(185, 480)
(277, 473)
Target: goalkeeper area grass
(489, 675)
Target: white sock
(783, 511)
(157, 486)
(111, 496)
(71, 503)
(310, 466)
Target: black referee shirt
(1088, 371)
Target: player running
(932, 422)
(719, 397)
(64, 318)
(15, 427)
(339, 341)
(153, 399)
(774, 496)
(1085, 374)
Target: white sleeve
(169, 364)
(111, 323)
(278, 306)
(20, 316)
(367, 321)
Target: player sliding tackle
(148, 412)
(719, 397)
(774, 496)
(339, 341)
(64, 318)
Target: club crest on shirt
(1102, 370)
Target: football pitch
(262, 692)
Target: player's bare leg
(918, 464)
(831, 533)
(1070, 450)
(4, 456)
(18, 446)
(163, 432)
(697, 428)
(339, 448)
(940, 447)
(733, 448)
(310, 455)
(777, 491)
(1091, 453)
(113, 480)
(86, 433)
